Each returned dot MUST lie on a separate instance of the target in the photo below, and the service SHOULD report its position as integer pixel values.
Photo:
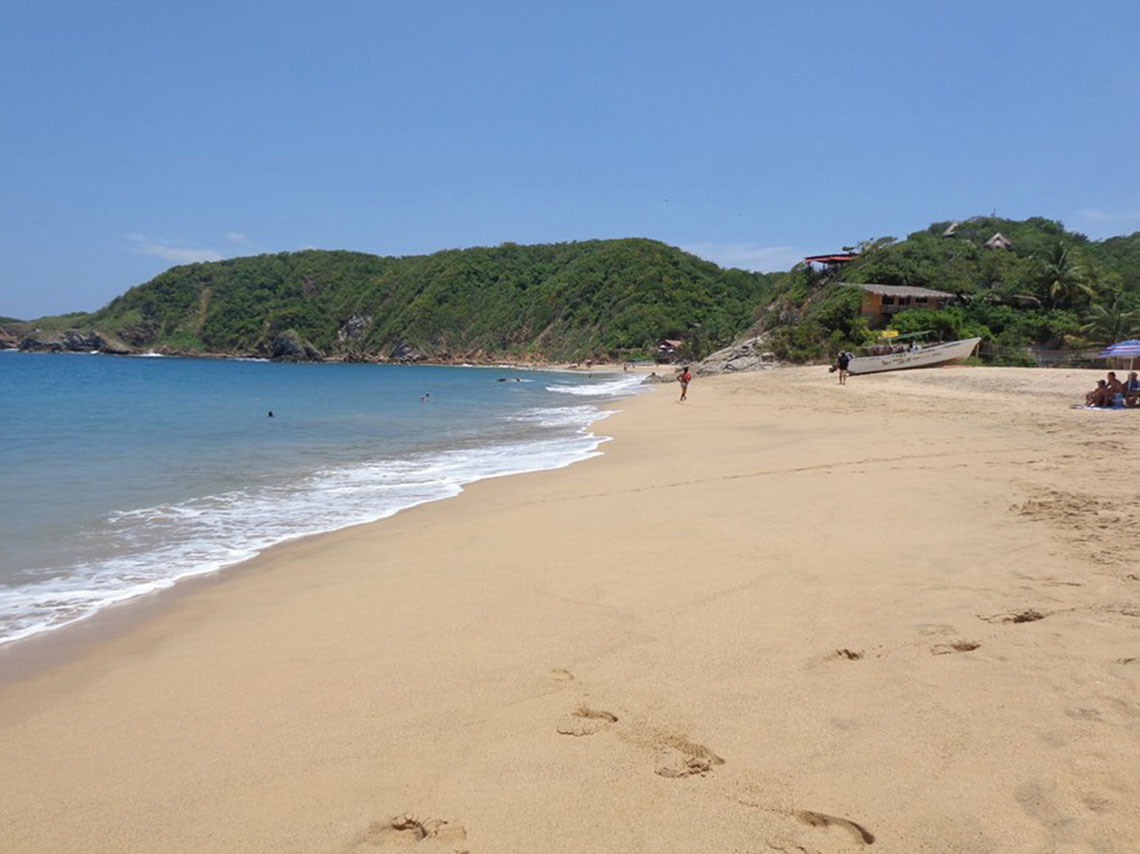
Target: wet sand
(784, 616)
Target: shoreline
(785, 613)
(26, 655)
(32, 655)
(504, 364)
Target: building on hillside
(667, 349)
(831, 262)
(951, 229)
(881, 301)
(999, 241)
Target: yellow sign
(889, 333)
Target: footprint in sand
(426, 836)
(819, 819)
(676, 755)
(1029, 615)
(1085, 714)
(849, 654)
(789, 846)
(585, 721)
(792, 843)
(561, 674)
(955, 646)
(679, 757)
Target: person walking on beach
(685, 378)
(843, 362)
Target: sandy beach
(901, 615)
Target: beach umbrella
(1129, 349)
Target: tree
(1112, 320)
(1062, 279)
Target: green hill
(556, 301)
(1047, 287)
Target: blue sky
(135, 136)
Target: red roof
(837, 258)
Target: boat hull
(928, 357)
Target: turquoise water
(120, 475)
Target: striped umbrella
(1129, 349)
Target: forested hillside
(1038, 286)
(1042, 286)
(556, 301)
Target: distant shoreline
(604, 366)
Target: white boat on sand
(923, 357)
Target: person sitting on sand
(1115, 389)
(1099, 396)
(685, 378)
(1114, 385)
(1132, 390)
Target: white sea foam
(613, 388)
(561, 416)
(156, 546)
(151, 548)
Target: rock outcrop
(750, 354)
(288, 346)
(73, 340)
(355, 328)
(407, 353)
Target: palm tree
(1062, 279)
(1112, 320)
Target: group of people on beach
(1111, 393)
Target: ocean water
(118, 476)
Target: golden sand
(899, 616)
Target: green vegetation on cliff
(1051, 288)
(1042, 285)
(565, 300)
